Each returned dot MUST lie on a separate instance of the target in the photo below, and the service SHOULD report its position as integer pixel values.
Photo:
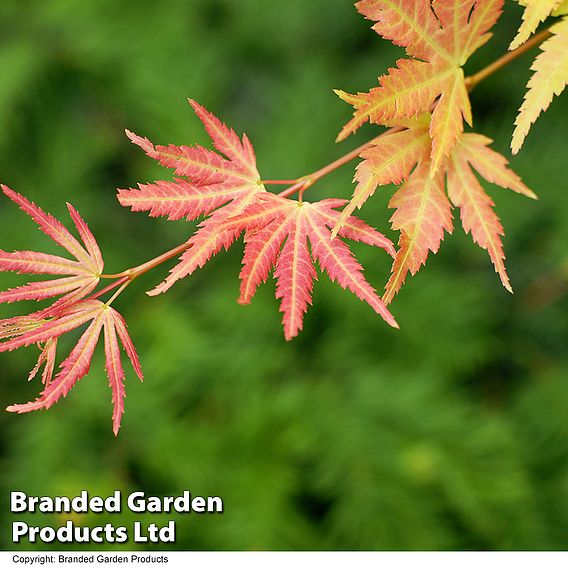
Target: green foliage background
(449, 434)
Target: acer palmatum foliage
(226, 188)
(550, 67)
(439, 38)
(76, 279)
(424, 202)
(81, 275)
(423, 101)
(278, 232)
(213, 185)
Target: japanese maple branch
(133, 273)
(125, 278)
(300, 185)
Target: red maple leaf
(228, 188)
(220, 186)
(278, 232)
(81, 275)
(78, 278)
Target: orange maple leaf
(424, 202)
(439, 37)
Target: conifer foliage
(423, 101)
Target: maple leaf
(549, 79)
(439, 37)
(535, 12)
(79, 277)
(45, 330)
(225, 186)
(389, 160)
(279, 234)
(76, 280)
(46, 359)
(218, 185)
(424, 212)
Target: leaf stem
(125, 278)
(125, 285)
(305, 182)
(133, 273)
(278, 181)
(108, 288)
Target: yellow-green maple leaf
(390, 160)
(562, 10)
(550, 67)
(549, 80)
(536, 11)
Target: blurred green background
(450, 434)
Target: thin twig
(137, 271)
(108, 288)
(307, 181)
(472, 81)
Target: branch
(303, 183)
(133, 273)
(300, 185)
(125, 278)
(472, 81)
